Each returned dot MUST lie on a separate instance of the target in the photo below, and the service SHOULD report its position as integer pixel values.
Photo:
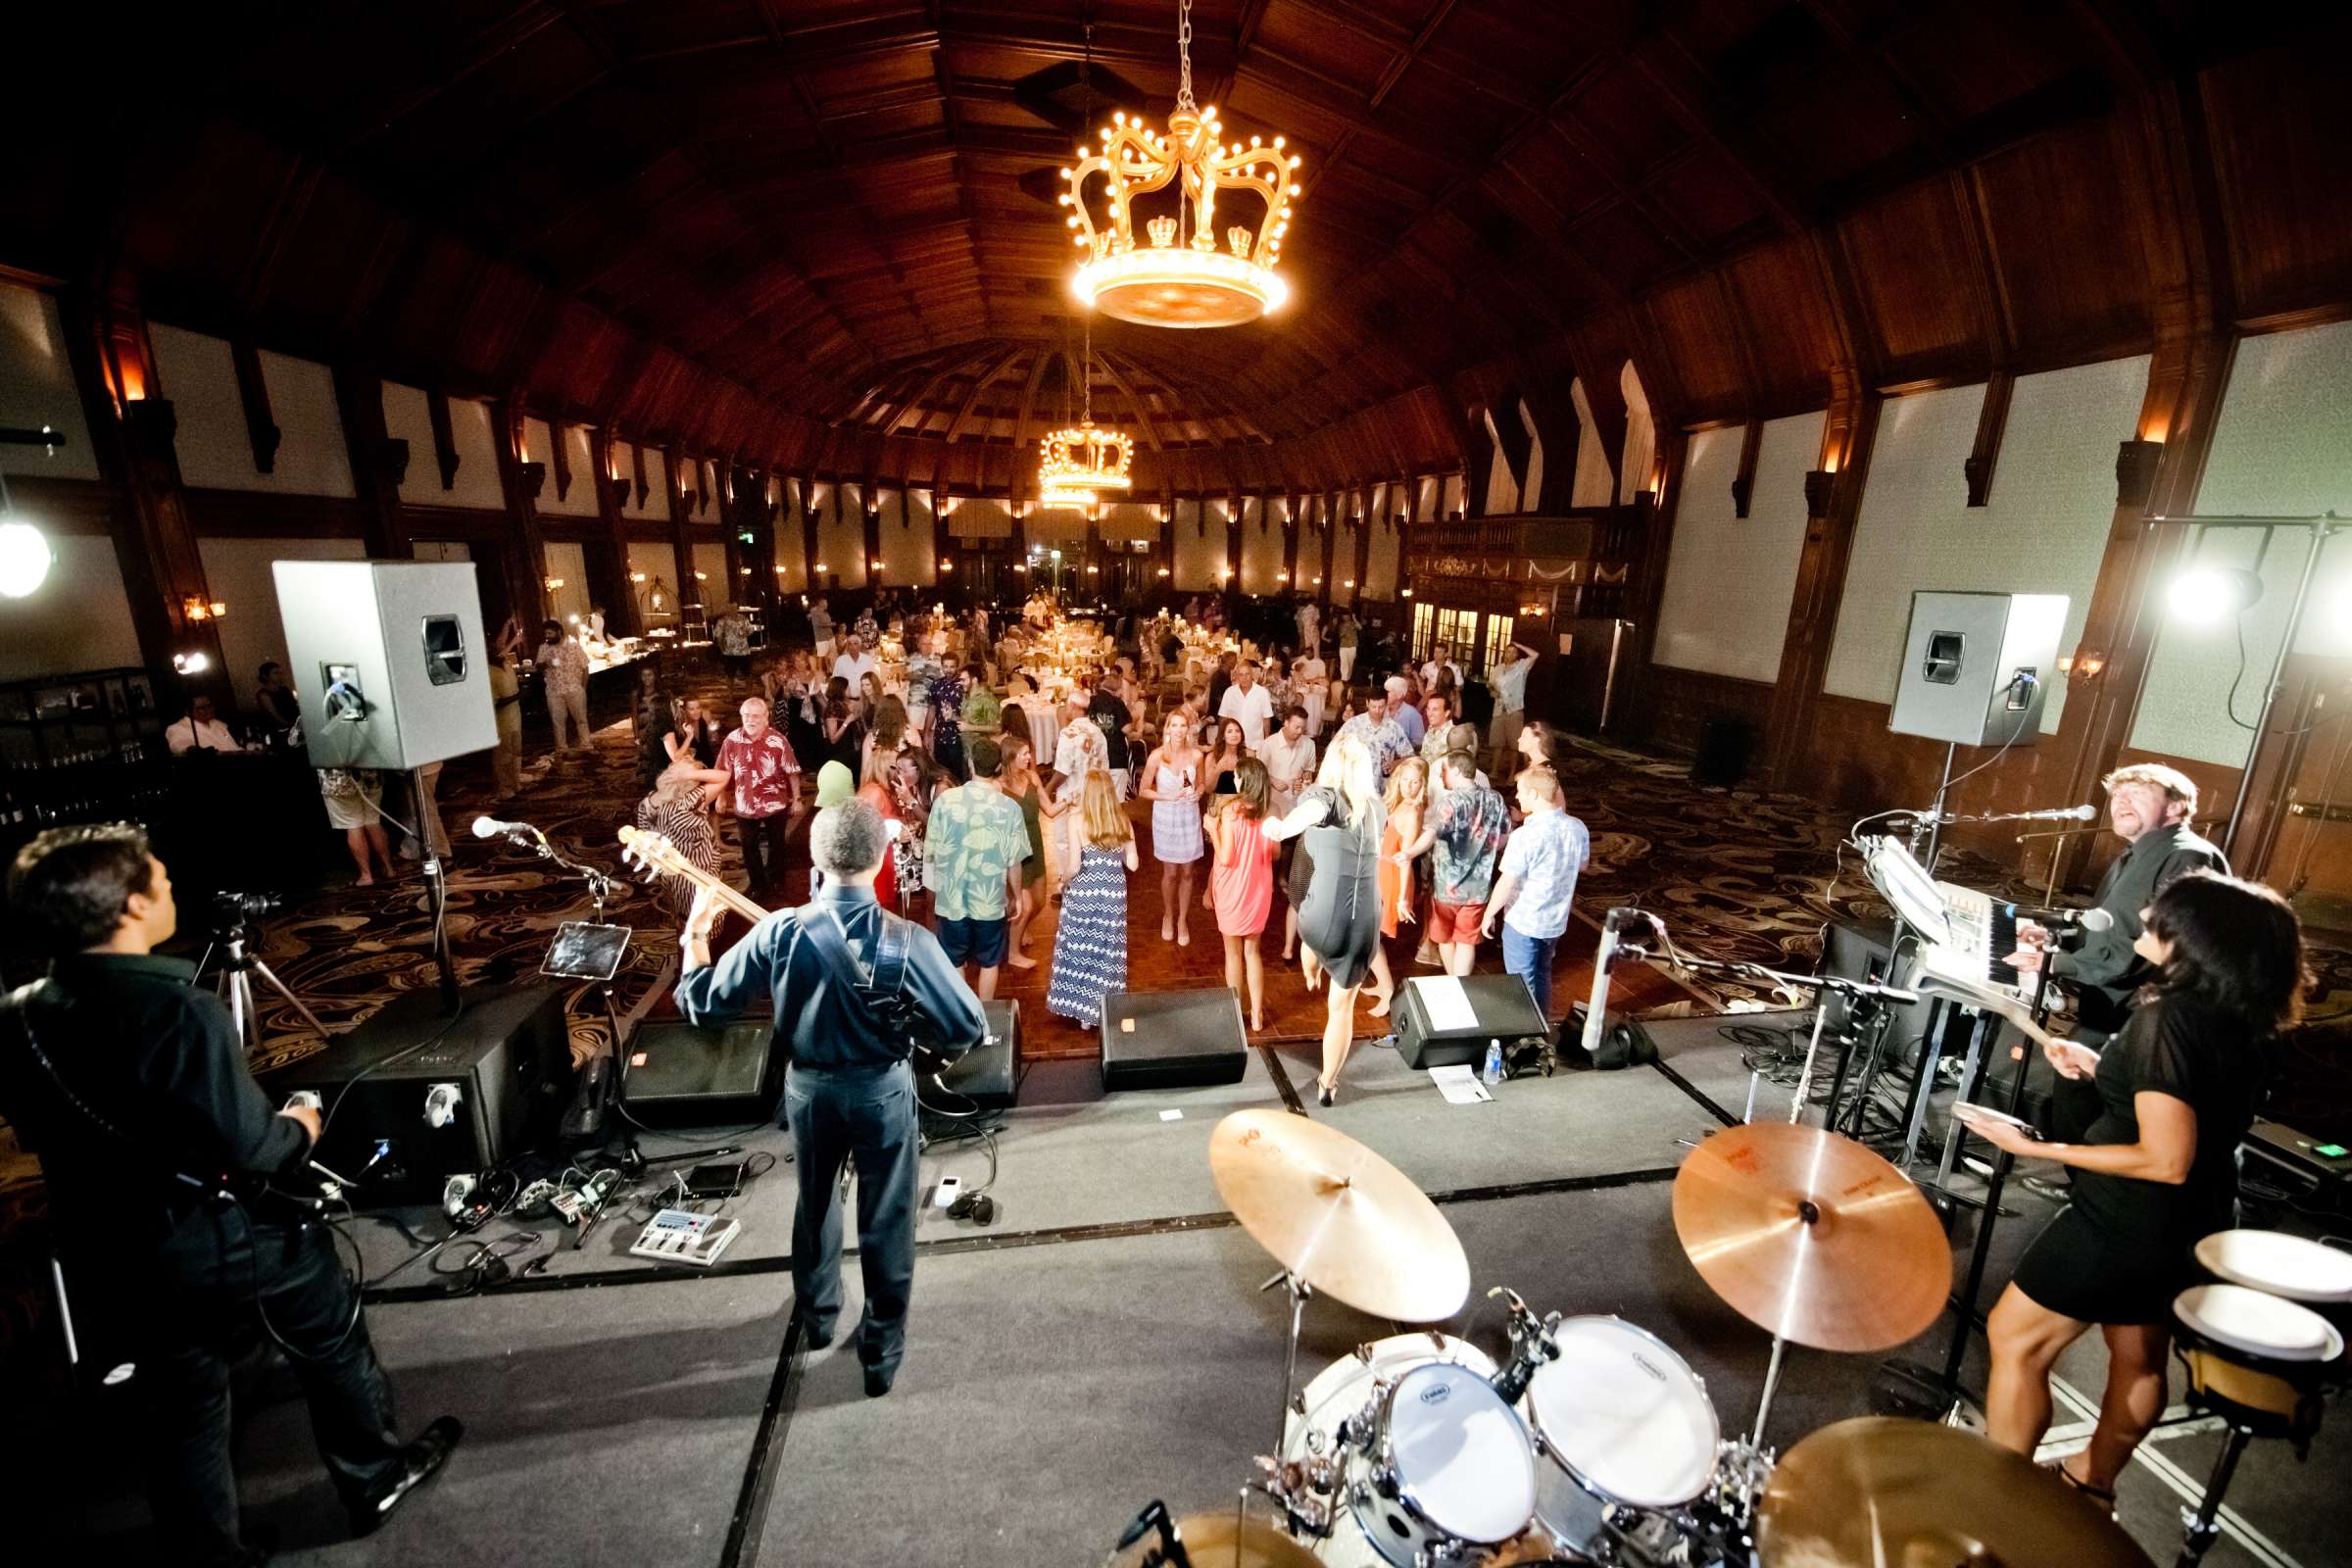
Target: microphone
(2069, 813)
(490, 827)
(1596, 1005)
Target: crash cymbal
(1219, 1540)
(1339, 1216)
(1876, 1490)
(1812, 1237)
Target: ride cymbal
(1339, 1216)
(1877, 1491)
(1812, 1237)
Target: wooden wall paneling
(1647, 590)
(445, 440)
(1333, 512)
(154, 545)
(609, 559)
(1977, 466)
(1744, 482)
(871, 539)
(1232, 535)
(378, 460)
(681, 543)
(526, 546)
(253, 399)
(1820, 585)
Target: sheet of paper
(1446, 1002)
(1171, 1115)
(1459, 1084)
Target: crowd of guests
(1013, 813)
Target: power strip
(676, 1236)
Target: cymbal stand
(1299, 1290)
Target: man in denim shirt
(1540, 865)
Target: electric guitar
(656, 856)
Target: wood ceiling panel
(2069, 256)
(1775, 291)
(1913, 271)
(1327, 45)
(1710, 199)
(1694, 325)
(1625, 110)
(1848, 125)
(1972, 58)
(2283, 165)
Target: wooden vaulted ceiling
(821, 233)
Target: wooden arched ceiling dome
(821, 235)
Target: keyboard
(1983, 932)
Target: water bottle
(1492, 1072)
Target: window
(1423, 613)
(1498, 637)
(1456, 629)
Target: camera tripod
(237, 967)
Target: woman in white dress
(1173, 781)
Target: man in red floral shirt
(766, 781)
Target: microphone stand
(1933, 825)
(1855, 990)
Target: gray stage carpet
(1104, 1345)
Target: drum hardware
(1531, 1345)
(1205, 1541)
(2260, 1363)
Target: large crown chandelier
(1077, 463)
(1181, 278)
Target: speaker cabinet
(389, 660)
(988, 1075)
(507, 1056)
(1173, 1039)
(1976, 666)
(1433, 1034)
(702, 1075)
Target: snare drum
(1625, 1423)
(1433, 1459)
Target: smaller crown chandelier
(1181, 278)
(1078, 462)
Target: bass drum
(1626, 1424)
(1425, 1422)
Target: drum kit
(1593, 1445)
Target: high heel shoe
(1326, 1094)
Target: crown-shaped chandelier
(1181, 278)
(1077, 463)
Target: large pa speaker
(415, 1095)
(681, 1074)
(989, 1074)
(1976, 666)
(1448, 1022)
(389, 660)
(1173, 1039)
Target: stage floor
(1106, 1343)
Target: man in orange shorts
(1467, 827)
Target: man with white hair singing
(854, 987)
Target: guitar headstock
(653, 854)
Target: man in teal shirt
(975, 844)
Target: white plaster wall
(1502, 491)
(568, 561)
(1427, 493)
(1265, 544)
(791, 558)
(1640, 437)
(407, 418)
(539, 446)
(911, 550)
(1380, 568)
(36, 387)
(77, 619)
(1596, 484)
(1730, 579)
(711, 566)
(199, 375)
(654, 560)
(2282, 447)
(2042, 531)
(656, 505)
(841, 532)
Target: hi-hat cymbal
(1220, 1540)
(1812, 1237)
(1876, 1490)
(1339, 1216)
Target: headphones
(978, 1207)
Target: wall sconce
(194, 608)
(1405, 593)
(2135, 463)
(553, 583)
(1350, 583)
(1282, 577)
(1091, 571)
(1020, 565)
(191, 663)
(701, 576)
(1318, 582)
(532, 476)
(874, 566)
(2085, 663)
(779, 572)
(743, 571)
(1163, 572)
(1225, 571)
(820, 567)
(636, 576)
(948, 568)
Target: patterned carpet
(1736, 873)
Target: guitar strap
(882, 987)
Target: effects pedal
(675, 1236)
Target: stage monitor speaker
(683, 1074)
(1173, 1039)
(1976, 666)
(1448, 1022)
(1860, 953)
(389, 660)
(989, 1074)
(472, 1091)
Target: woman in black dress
(1339, 926)
(2156, 1173)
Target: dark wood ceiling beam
(486, 48)
(1930, 124)
(1686, 86)
(980, 386)
(1142, 415)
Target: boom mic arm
(1613, 929)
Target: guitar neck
(656, 851)
(726, 895)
